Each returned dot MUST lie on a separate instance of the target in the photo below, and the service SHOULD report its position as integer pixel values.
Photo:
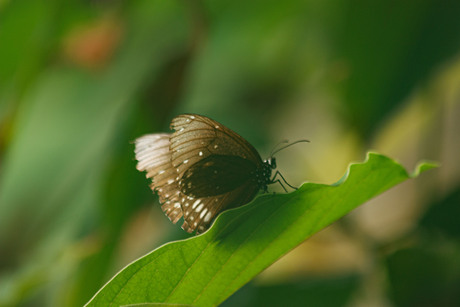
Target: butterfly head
(271, 162)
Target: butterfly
(202, 169)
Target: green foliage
(320, 292)
(207, 269)
(377, 34)
(329, 71)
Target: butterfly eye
(272, 162)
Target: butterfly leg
(284, 180)
(281, 184)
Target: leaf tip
(424, 166)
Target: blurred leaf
(30, 33)
(69, 121)
(425, 275)
(318, 292)
(27, 38)
(442, 216)
(155, 305)
(64, 135)
(207, 269)
(256, 55)
(389, 48)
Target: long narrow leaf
(206, 269)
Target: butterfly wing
(198, 171)
(215, 175)
(199, 213)
(196, 139)
(153, 156)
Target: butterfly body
(201, 169)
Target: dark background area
(80, 80)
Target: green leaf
(318, 291)
(425, 275)
(385, 63)
(68, 128)
(206, 269)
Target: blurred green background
(80, 80)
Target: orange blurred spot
(92, 46)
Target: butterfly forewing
(197, 137)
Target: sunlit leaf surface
(205, 270)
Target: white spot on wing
(207, 218)
(195, 204)
(199, 208)
(203, 213)
(161, 172)
(177, 205)
(200, 153)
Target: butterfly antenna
(278, 144)
(288, 145)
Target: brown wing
(153, 155)
(197, 138)
(216, 175)
(200, 213)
